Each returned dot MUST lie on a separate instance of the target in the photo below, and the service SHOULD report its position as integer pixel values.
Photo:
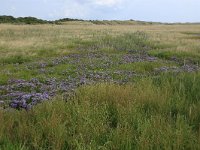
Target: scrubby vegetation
(86, 86)
(32, 20)
(22, 20)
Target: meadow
(80, 85)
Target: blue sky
(147, 10)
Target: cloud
(109, 3)
(76, 9)
(85, 9)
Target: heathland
(100, 85)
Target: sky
(144, 10)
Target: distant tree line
(32, 20)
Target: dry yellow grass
(26, 39)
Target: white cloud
(85, 9)
(109, 3)
(75, 9)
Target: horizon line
(79, 19)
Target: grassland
(86, 86)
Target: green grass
(17, 59)
(144, 67)
(160, 113)
(128, 42)
(114, 47)
(181, 56)
(150, 111)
